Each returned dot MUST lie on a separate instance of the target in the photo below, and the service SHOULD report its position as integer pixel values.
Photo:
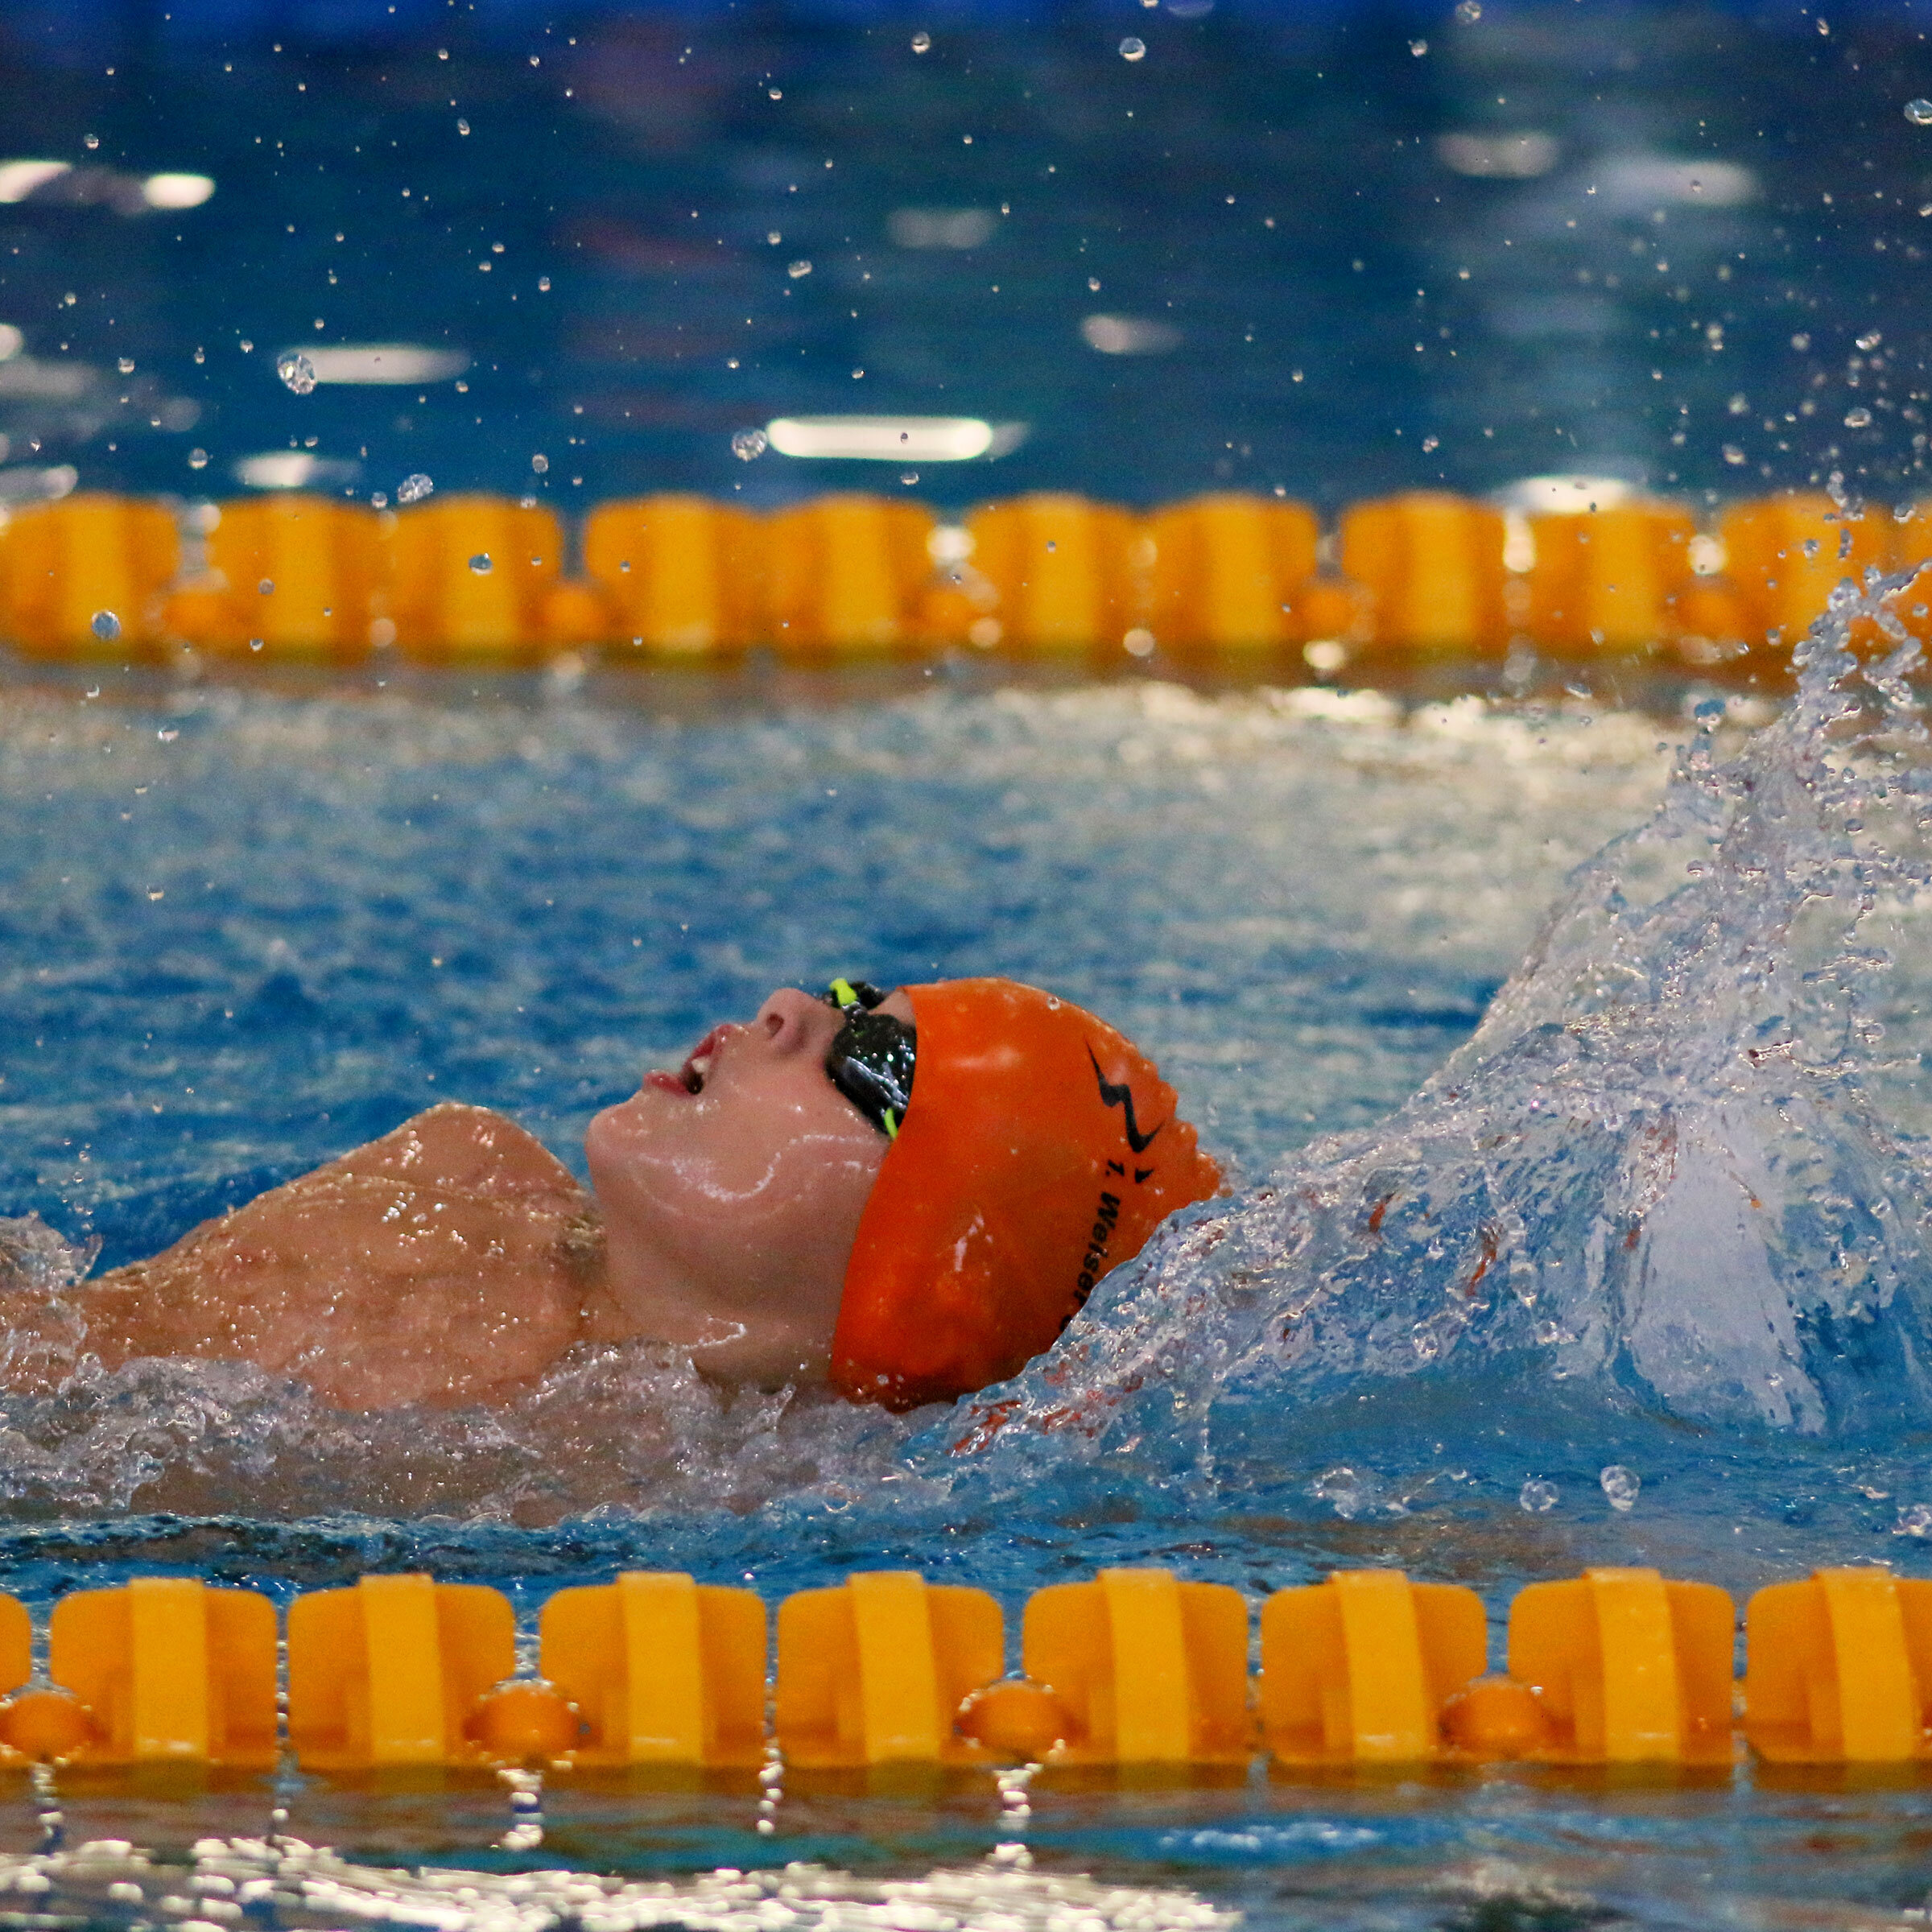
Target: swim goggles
(871, 1060)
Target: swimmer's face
(731, 1191)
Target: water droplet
(1538, 1497)
(198, 459)
(1734, 455)
(749, 445)
(266, 587)
(543, 284)
(909, 476)
(1858, 419)
(126, 366)
(540, 463)
(1621, 1485)
(922, 41)
(104, 625)
(90, 141)
(1870, 340)
(797, 269)
(298, 373)
(1419, 48)
(414, 488)
(377, 500)
(1430, 443)
(1133, 47)
(480, 564)
(776, 93)
(1344, 1491)
(200, 356)
(1800, 341)
(255, 643)
(1468, 12)
(1919, 112)
(462, 126)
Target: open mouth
(699, 1061)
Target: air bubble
(414, 488)
(480, 564)
(298, 373)
(1621, 1485)
(748, 445)
(922, 41)
(1919, 112)
(104, 625)
(1537, 1497)
(1132, 48)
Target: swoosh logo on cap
(1118, 1094)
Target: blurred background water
(1339, 249)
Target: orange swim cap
(1040, 1150)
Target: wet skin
(455, 1260)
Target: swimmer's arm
(447, 1263)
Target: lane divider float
(1135, 1669)
(1227, 579)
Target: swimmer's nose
(792, 1021)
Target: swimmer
(903, 1197)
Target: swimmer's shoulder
(472, 1150)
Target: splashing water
(1678, 1166)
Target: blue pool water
(1339, 249)
(249, 925)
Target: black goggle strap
(872, 1058)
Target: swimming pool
(359, 899)
(1501, 1234)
